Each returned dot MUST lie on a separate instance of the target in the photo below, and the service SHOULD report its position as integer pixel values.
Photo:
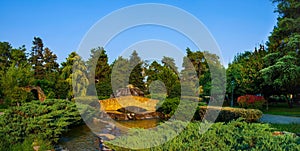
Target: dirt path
(279, 119)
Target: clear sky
(237, 25)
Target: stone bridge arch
(40, 92)
(113, 104)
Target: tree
(74, 72)
(152, 72)
(281, 68)
(282, 76)
(14, 80)
(169, 78)
(99, 73)
(244, 71)
(287, 28)
(120, 73)
(198, 60)
(136, 77)
(36, 58)
(49, 60)
(166, 74)
(213, 81)
(10, 58)
(9, 55)
(45, 67)
(170, 63)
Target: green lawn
(294, 128)
(283, 109)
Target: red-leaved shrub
(251, 101)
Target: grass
(283, 109)
(294, 128)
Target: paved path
(279, 119)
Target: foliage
(282, 75)
(168, 106)
(27, 145)
(136, 77)
(287, 28)
(74, 72)
(99, 73)
(163, 79)
(251, 101)
(294, 128)
(235, 135)
(45, 67)
(11, 60)
(169, 78)
(14, 80)
(120, 73)
(281, 69)
(43, 120)
(243, 74)
(226, 114)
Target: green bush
(27, 145)
(235, 135)
(227, 114)
(43, 120)
(168, 106)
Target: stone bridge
(113, 104)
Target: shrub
(43, 120)
(235, 135)
(251, 101)
(26, 145)
(168, 106)
(227, 114)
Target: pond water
(82, 138)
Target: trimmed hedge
(227, 114)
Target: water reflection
(82, 138)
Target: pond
(82, 138)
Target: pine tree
(120, 73)
(281, 68)
(36, 58)
(99, 73)
(285, 36)
(136, 76)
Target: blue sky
(237, 25)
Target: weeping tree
(74, 72)
(282, 74)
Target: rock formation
(130, 90)
(41, 94)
